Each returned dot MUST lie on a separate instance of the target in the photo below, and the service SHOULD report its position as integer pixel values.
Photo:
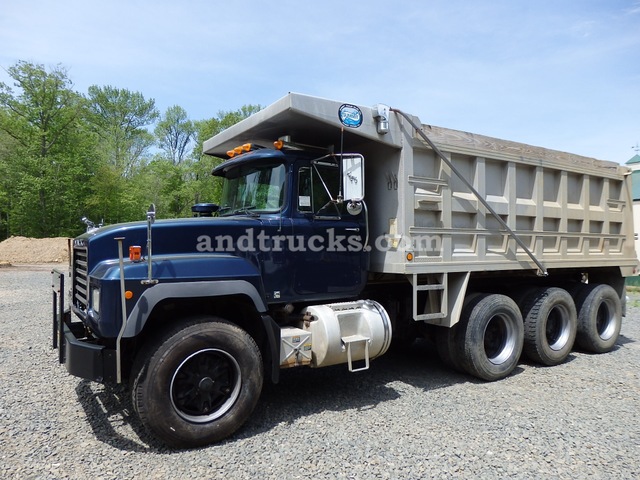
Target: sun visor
(306, 120)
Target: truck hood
(171, 237)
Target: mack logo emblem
(350, 115)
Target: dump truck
(343, 230)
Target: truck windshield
(252, 189)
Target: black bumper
(82, 355)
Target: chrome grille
(80, 296)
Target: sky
(561, 74)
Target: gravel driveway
(406, 418)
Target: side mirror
(353, 177)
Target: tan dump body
(571, 212)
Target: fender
(178, 276)
(151, 297)
(216, 288)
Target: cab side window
(316, 186)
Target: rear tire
(447, 348)
(550, 324)
(197, 384)
(599, 318)
(491, 336)
(448, 341)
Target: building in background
(634, 165)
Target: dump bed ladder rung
(429, 287)
(430, 316)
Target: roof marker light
(240, 149)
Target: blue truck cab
(283, 237)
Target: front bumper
(81, 354)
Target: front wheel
(198, 384)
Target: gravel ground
(405, 418)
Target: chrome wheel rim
(557, 327)
(606, 320)
(499, 339)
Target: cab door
(332, 263)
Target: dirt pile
(17, 250)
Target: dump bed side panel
(570, 211)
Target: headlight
(95, 299)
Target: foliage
(119, 118)
(106, 155)
(175, 134)
(46, 158)
(209, 128)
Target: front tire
(199, 383)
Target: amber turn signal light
(135, 253)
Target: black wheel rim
(205, 385)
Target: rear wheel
(599, 318)
(448, 341)
(550, 323)
(491, 336)
(198, 384)
(447, 347)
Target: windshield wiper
(245, 210)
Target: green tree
(64, 155)
(167, 186)
(224, 120)
(175, 133)
(119, 118)
(46, 165)
(6, 148)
